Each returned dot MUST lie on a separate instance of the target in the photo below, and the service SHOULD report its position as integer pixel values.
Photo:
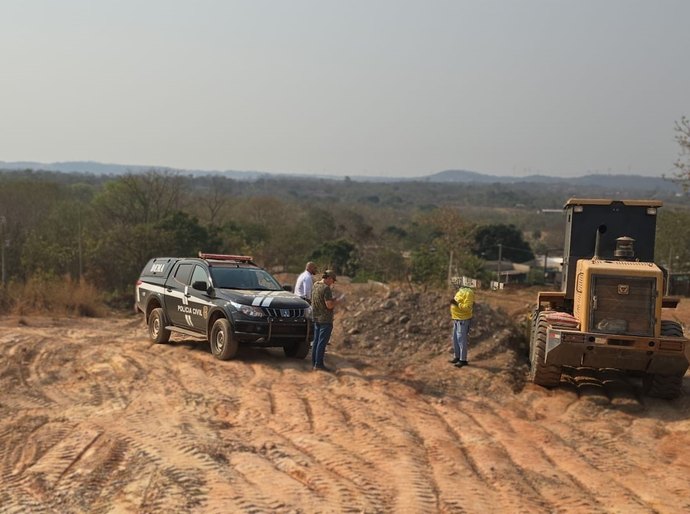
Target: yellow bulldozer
(608, 313)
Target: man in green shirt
(322, 304)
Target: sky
(395, 88)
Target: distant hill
(98, 168)
(607, 182)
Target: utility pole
(668, 272)
(500, 251)
(3, 221)
(81, 270)
(450, 267)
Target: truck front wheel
(223, 344)
(157, 331)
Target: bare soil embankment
(95, 418)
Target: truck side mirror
(287, 287)
(200, 285)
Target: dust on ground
(96, 418)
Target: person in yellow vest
(461, 307)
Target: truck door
(198, 301)
(176, 295)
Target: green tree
(54, 246)
(276, 232)
(429, 266)
(145, 198)
(672, 247)
(445, 233)
(471, 266)
(682, 164)
(381, 262)
(233, 238)
(181, 235)
(135, 218)
(339, 255)
(25, 203)
(352, 225)
(116, 256)
(513, 246)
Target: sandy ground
(95, 418)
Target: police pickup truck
(226, 300)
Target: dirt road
(95, 418)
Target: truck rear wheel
(223, 344)
(297, 350)
(157, 331)
(546, 375)
(665, 386)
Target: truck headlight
(249, 310)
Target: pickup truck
(226, 300)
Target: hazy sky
(347, 87)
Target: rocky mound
(398, 330)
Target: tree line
(103, 229)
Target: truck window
(182, 273)
(199, 275)
(243, 278)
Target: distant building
(551, 267)
(508, 272)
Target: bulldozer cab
(593, 227)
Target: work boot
(460, 364)
(454, 361)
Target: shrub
(54, 295)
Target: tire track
(125, 425)
(538, 475)
(620, 454)
(327, 451)
(458, 478)
(47, 471)
(190, 446)
(491, 463)
(569, 451)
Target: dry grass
(58, 296)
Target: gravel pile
(405, 324)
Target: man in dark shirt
(322, 303)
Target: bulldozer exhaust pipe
(597, 240)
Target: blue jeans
(322, 334)
(461, 328)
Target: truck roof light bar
(223, 257)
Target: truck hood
(278, 299)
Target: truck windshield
(244, 278)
